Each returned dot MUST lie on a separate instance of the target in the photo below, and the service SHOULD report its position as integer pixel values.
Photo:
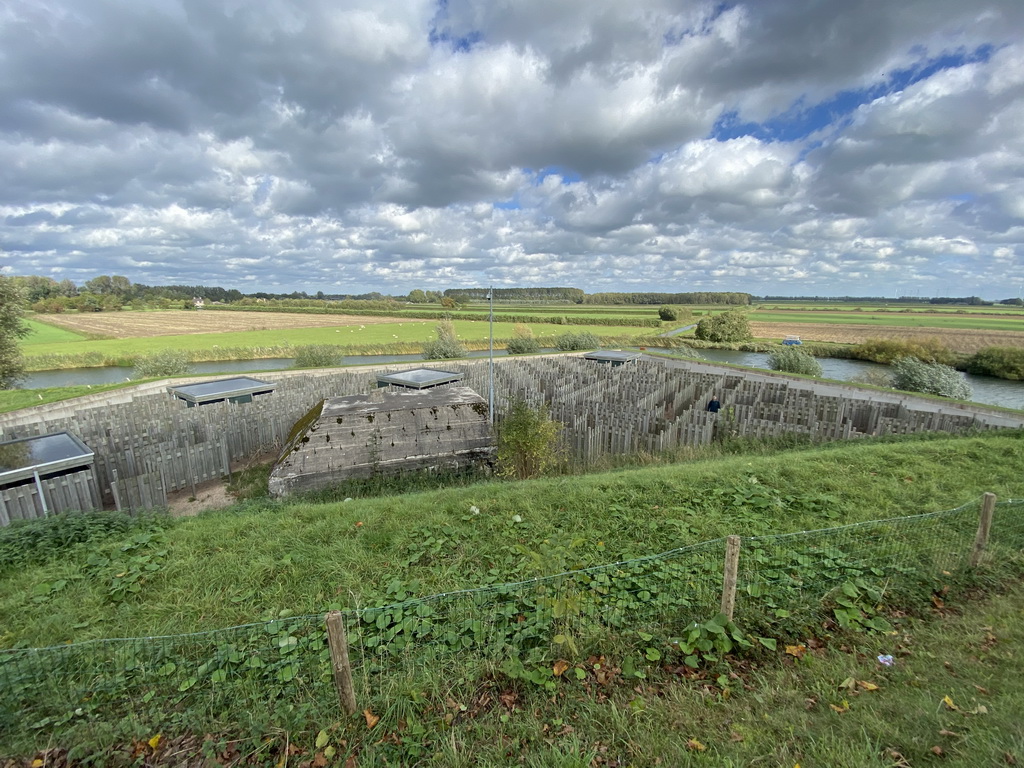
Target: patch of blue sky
(441, 36)
(802, 120)
(567, 175)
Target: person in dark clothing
(713, 405)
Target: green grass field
(381, 336)
(44, 333)
(825, 703)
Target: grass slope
(815, 704)
(261, 557)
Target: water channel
(987, 390)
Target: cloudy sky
(789, 147)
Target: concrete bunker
(388, 431)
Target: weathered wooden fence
(155, 444)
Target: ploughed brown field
(958, 340)
(173, 322)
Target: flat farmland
(966, 340)
(116, 338)
(179, 322)
(935, 321)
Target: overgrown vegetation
(1002, 362)
(913, 375)
(317, 356)
(527, 441)
(166, 362)
(447, 345)
(522, 341)
(793, 360)
(667, 313)
(12, 328)
(576, 341)
(887, 351)
(731, 326)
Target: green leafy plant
(447, 345)
(527, 441)
(913, 375)
(317, 356)
(728, 326)
(1002, 362)
(709, 641)
(166, 362)
(856, 607)
(668, 313)
(794, 360)
(522, 342)
(572, 342)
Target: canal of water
(989, 391)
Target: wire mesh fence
(278, 673)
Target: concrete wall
(387, 431)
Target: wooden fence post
(732, 562)
(338, 643)
(988, 505)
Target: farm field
(179, 322)
(956, 339)
(973, 321)
(265, 334)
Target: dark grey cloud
(286, 144)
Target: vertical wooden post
(338, 643)
(732, 562)
(988, 505)
(113, 489)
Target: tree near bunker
(12, 328)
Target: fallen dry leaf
(949, 703)
(867, 686)
(937, 751)
(560, 666)
(371, 719)
(944, 732)
(695, 745)
(796, 650)
(845, 707)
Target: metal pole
(491, 367)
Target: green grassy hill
(817, 697)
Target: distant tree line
(970, 301)
(465, 295)
(702, 297)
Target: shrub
(447, 346)
(887, 351)
(166, 362)
(522, 342)
(527, 441)
(668, 313)
(794, 360)
(572, 342)
(914, 375)
(727, 326)
(1003, 362)
(317, 356)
